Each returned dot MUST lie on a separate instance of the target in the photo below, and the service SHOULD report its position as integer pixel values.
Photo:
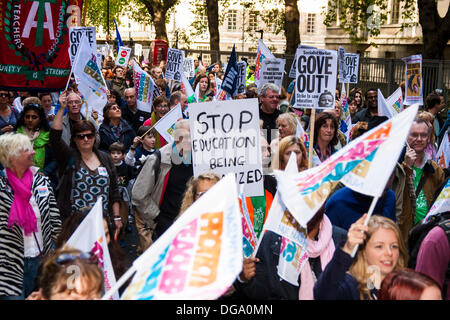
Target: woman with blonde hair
(381, 250)
(287, 126)
(196, 187)
(288, 145)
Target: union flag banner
(34, 42)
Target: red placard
(34, 43)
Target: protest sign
(364, 165)
(443, 153)
(225, 137)
(89, 77)
(241, 78)
(138, 50)
(441, 204)
(75, 36)
(198, 257)
(395, 100)
(145, 88)
(413, 80)
(293, 70)
(188, 67)
(249, 238)
(34, 42)
(123, 55)
(272, 71)
(315, 85)
(166, 124)
(90, 237)
(262, 53)
(174, 64)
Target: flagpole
(312, 119)
(120, 283)
(366, 222)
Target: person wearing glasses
(71, 101)
(269, 109)
(29, 217)
(8, 114)
(85, 172)
(422, 177)
(371, 110)
(58, 281)
(114, 128)
(160, 109)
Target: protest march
(187, 180)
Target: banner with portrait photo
(413, 80)
(34, 42)
(315, 84)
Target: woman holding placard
(380, 251)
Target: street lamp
(261, 32)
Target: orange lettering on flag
(207, 255)
(381, 133)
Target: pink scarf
(323, 247)
(21, 213)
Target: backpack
(420, 231)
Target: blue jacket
(107, 137)
(334, 283)
(346, 206)
(267, 284)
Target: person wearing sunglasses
(8, 114)
(85, 172)
(29, 217)
(58, 281)
(114, 128)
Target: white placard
(123, 55)
(137, 50)
(188, 67)
(174, 64)
(316, 78)
(225, 137)
(272, 71)
(75, 35)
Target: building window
(252, 21)
(206, 57)
(311, 23)
(395, 11)
(232, 20)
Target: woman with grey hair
(29, 217)
(287, 126)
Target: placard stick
(68, 80)
(87, 109)
(366, 222)
(312, 119)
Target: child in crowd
(142, 147)
(125, 173)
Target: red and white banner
(34, 42)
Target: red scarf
(22, 213)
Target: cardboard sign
(348, 66)
(225, 137)
(75, 35)
(138, 50)
(241, 77)
(413, 80)
(123, 55)
(272, 71)
(316, 78)
(189, 68)
(174, 64)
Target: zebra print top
(11, 239)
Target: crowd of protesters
(56, 161)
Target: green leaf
(18, 53)
(11, 46)
(7, 29)
(7, 22)
(7, 37)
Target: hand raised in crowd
(136, 141)
(94, 115)
(248, 269)
(410, 157)
(63, 99)
(356, 234)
